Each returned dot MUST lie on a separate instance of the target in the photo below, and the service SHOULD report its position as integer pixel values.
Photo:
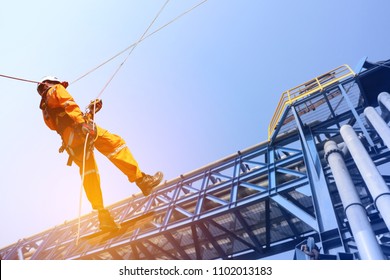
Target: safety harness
(57, 116)
(61, 120)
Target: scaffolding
(257, 203)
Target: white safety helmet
(51, 79)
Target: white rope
(93, 119)
(81, 188)
(123, 62)
(131, 50)
(132, 47)
(139, 41)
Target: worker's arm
(58, 96)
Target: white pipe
(380, 192)
(362, 232)
(384, 103)
(379, 124)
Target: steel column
(326, 219)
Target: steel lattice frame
(256, 203)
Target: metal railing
(314, 85)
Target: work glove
(65, 84)
(88, 128)
(96, 104)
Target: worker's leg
(93, 190)
(75, 148)
(116, 150)
(91, 179)
(90, 174)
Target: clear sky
(200, 89)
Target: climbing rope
(144, 37)
(19, 79)
(81, 189)
(131, 48)
(94, 113)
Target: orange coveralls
(61, 113)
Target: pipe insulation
(380, 192)
(378, 124)
(384, 104)
(364, 236)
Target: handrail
(317, 84)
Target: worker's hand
(88, 128)
(95, 106)
(65, 84)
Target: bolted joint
(331, 147)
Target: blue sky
(200, 89)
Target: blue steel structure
(257, 203)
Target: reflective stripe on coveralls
(114, 148)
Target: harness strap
(74, 151)
(57, 116)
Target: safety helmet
(51, 79)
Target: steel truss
(257, 203)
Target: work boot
(147, 182)
(107, 223)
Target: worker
(62, 114)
